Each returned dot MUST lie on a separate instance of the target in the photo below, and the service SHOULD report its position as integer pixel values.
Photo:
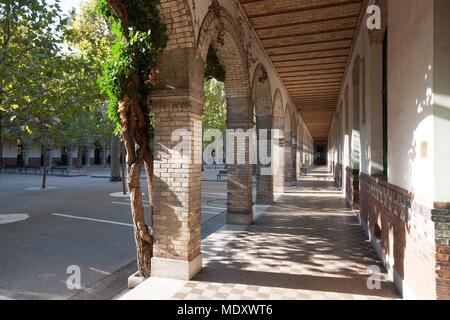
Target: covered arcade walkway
(306, 246)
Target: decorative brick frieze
(352, 187)
(413, 238)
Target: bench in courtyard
(62, 169)
(222, 173)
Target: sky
(66, 5)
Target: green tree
(48, 76)
(33, 74)
(215, 108)
(89, 38)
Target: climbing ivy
(141, 37)
(213, 68)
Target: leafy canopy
(141, 39)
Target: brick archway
(220, 31)
(178, 98)
(262, 100)
(278, 155)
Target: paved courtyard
(81, 221)
(307, 246)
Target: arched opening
(178, 102)
(279, 144)
(218, 33)
(288, 148)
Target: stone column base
(176, 269)
(240, 219)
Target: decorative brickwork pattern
(405, 233)
(441, 218)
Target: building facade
(19, 153)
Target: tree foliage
(48, 74)
(140, 39)
(215, 108)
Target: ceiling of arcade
(309, 43)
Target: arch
(220, 31)
(278, 153)
(261, 93)
(262, 100)
(278, 111)
(177, 17)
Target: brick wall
(177, 17)
(441, 218)
(403, 232)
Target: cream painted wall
(441, 107)
(410, 81)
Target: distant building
(18, 153)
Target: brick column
(264, 183)
(177, 101)
(240, 186)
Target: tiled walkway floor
(307, 246)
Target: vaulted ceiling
(309, 43)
